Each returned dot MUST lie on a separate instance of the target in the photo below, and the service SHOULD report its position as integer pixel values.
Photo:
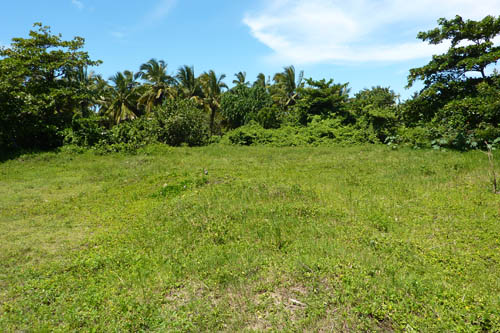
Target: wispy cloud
(160, 11)
(149, 19)
(319, 31)
(78, 4)
(117, 34)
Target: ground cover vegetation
(50, 97)
(231, 238)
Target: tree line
(50, 97)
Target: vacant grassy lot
(295, 239)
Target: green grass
(296, 239)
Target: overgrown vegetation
(48, 97)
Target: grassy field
(248, 239)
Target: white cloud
(117, 34)
(161, 10)
(78, 4)
(148, 19)
(318, 31)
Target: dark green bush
(269, 117)
(321, 98)
(375, 112)
(242, 104)
(86, 132)
(182, 122)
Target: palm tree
(212, 86)
(158, 84)
(261, 81)
(85, 83)
(287, 85)
(102, 94)
(120, 102)
(241, 79)
(188, 85)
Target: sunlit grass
(249, 238)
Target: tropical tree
(241, 78)
(242, 104)
(90, 87)
(158, 84)
(121, 100)
(212, 86)
(188, 84)
(375, 111)
(286, 85)
(457, 93)
(261, 81)
(321, 98)
(472, 50)
(39, 89)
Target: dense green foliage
(319, 132)
(48, 93)
(376, 111)
(182, 122)
(176, 122)
(43, 84)
(358, 239)
(321, 98)
(459, 100)
(242, 104)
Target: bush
(418, 137)
(182, 122)
(86, 132)
(318, 133)
(242, 104)
(486, 133)
(137, 132)
(375, 112)
(268, 117)
(174, 123)
(321, 98)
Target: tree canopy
(472, 50)
(49, 92)
(459, 85)
(43, 87)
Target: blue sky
(363, 42)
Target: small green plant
(490, 148)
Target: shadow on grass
(12, 154)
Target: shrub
(318, 132)
(321, 98)
(268, 117)
(174, 123)
(418, 137)
(86, 132)
(375, 111)
(137, 132)
(242, 104)
(182, 122)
